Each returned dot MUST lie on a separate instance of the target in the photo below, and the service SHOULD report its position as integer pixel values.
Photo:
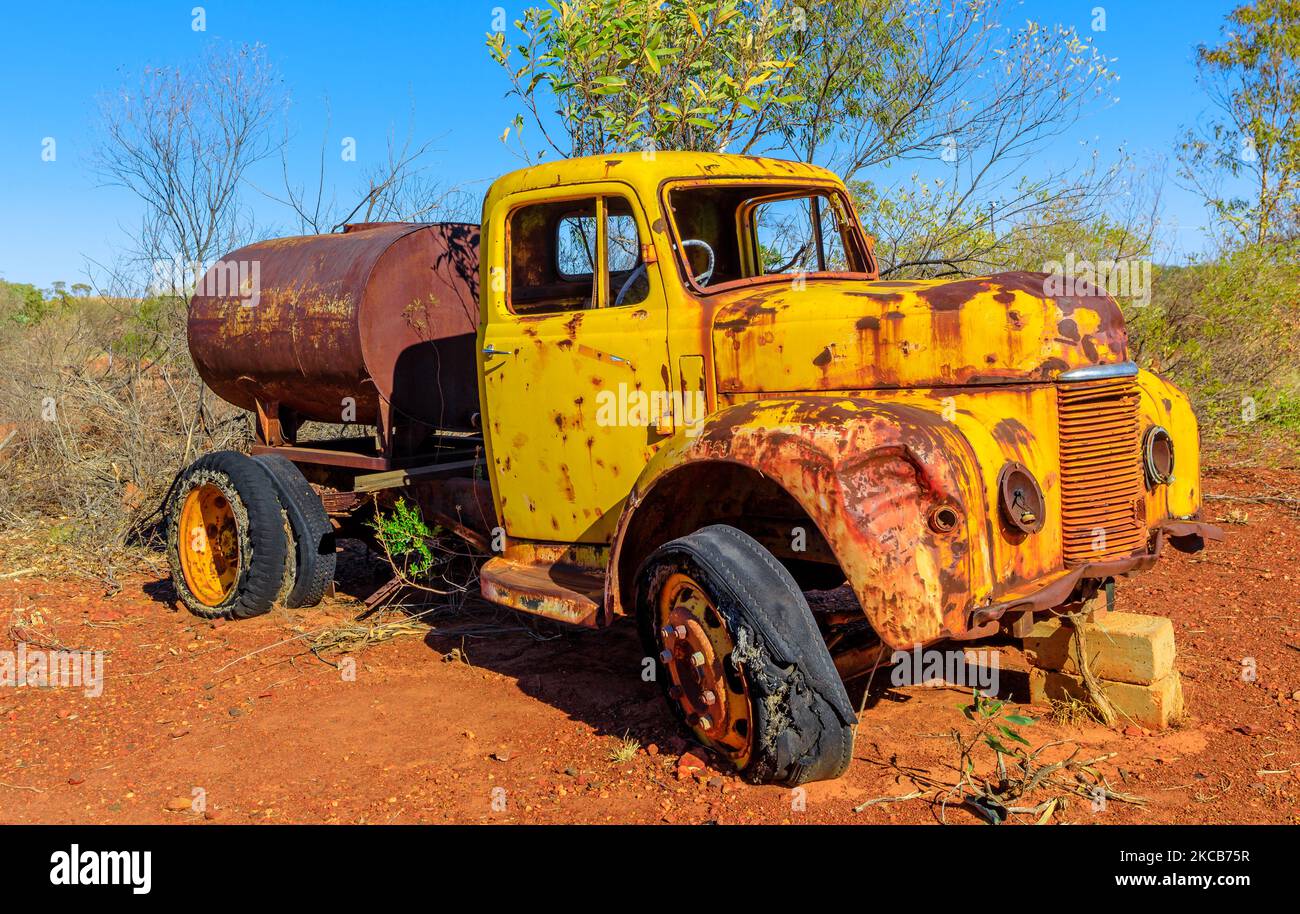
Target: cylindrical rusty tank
(382, 316)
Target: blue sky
(372, 61)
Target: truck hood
(837, 334)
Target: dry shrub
(1225, 332)
(102, 406)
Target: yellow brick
(1122, 647)
(1152, 706)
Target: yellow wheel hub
(695, 646)
(209, 544)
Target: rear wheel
(226, 541)
(311, 556)
(741, 659)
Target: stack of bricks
(1131, 655)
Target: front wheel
(741, 659)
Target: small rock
(689, 764)
(501, 755)
(212, 814)
(717, 783)
(178, 804)
(1248, 730)
(571, 772)
(193, 646)
(652, 749)
(76, 780)
(1132, 730)
(1295, 696)
(235, 712)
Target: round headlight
(1158, 456)
(1021, 498)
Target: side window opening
(555, 249)
(629, 284)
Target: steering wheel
(640, 271)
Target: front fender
(1164, 404)
(869, 475)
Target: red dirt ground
(280, 736)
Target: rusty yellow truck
(672, 387)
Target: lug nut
(704, 723)
(668, 632)
(697, 659)
(666, 656)
(680, 631)
(709, 698)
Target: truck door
(574, 360)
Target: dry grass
(1235, 516)
(625, 751)
(1071, 712)
(100, 407)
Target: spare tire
(311, 556)
(226, 539)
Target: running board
(557, 591)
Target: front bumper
(1042, 595)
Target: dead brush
(1071, 712)
(1018, 777)
(373, 629)
(100, 406)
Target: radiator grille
(1101, 474)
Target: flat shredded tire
(311, 555)
(741, 659)
(226, 540)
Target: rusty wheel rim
(695, 647)
(209, 545)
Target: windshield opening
(731, 232)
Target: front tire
(741, 659)
(226, 539)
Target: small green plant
(625, 751)
(407, 538)
(995, 727)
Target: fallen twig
(878, 800)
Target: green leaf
(1012, 734)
